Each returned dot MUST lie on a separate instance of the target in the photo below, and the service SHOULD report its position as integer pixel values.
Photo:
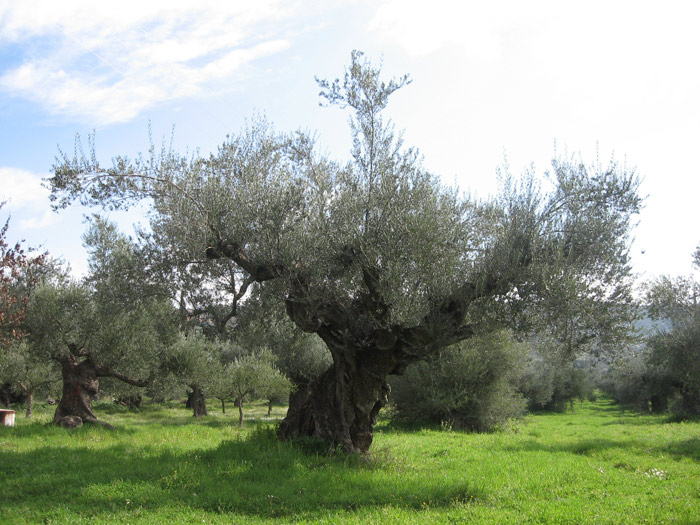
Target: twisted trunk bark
(342, 404)
(80, 385)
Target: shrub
(677, 353)
(553, 383)
(634, 382)
(469, 386)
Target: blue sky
(503, 78)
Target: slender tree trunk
(198, 401)
(269, 407)
(80, 385)
(223, 405)
(29, 402)
(239, 404)
(342, 404)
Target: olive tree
(471, 385)
(207, 294)
(98, 328)
(26, 374)
(89, 341)
(254, 376)
(194, 362)
(263, 324)
(674, 350)
(375, 256)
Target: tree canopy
(376, 256)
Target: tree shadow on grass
(688, 448)
(257, 476)
(49, 430)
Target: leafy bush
(468, 386)
(633, 381)
(677, 353)
(553, 385)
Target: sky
(492, 82)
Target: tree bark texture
(80, 385)
(197, 401)
(340, 406)
(29, 403)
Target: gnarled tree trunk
(342, 404)
(80, 385)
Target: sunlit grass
(597, 465)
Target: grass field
(599, 464)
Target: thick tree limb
(258, 272)
(103, 371)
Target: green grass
(597, 465)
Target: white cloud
(26, 199)
(422, 28)
(39, 222)
(22, 188)
(106, 62)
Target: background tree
(26, 374)
(19, 271)
(675, 347)
(634, 380)
(207, 293)
(193, 362)
(661, 372)
(263, 325)
(90, 341)
(254, 376)
(100, 328)
(553, 378)
(376, 256)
